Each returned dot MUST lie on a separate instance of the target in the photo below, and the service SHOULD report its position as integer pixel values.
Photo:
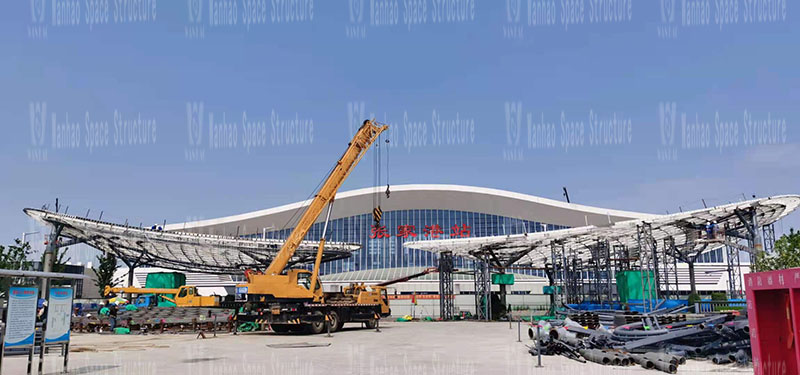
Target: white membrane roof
(189, 252)
(535, 248)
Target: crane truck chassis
(356, 303)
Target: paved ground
(401, 348)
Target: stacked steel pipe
(658, 342)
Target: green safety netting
(165, 280)
(636, 285)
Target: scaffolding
(769, 238)
(483, 289)
(573, 276)
(599, 274)
(735, 289)
(669, 272)
(446, 295)
(648, 263)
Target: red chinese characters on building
(462, 231)
(379, 232)
(430, 231)
(404, 231)
(433, 231)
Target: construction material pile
(649, 342)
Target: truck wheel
(335, 322)
(317, 327)
(371, 324)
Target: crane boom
(363, 139)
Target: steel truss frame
(669, 278)
(483, 289)
(648, 261)
(446, 295)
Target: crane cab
(294, 284)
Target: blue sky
(333, 62)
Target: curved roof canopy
(417, 197)
(189, 252)
(535, 248)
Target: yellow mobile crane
(292, 299)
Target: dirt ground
(418, 348)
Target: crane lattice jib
(361, 142)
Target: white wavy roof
(424, 196)
(535, 248)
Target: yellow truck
(184, 296)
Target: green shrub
(719, 296)
(694, 298)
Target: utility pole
(49, 255)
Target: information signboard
(59, 315)
(20, 316)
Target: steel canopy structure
(190, 252)
(534, 249)
(581, 263)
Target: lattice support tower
(446, 294)
(669, 271)
(769, 238)
(574, 279)
(556, 252)
(483, 290)
(648, 262)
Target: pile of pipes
(722, 339)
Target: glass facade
(382, 247)
(713, 256)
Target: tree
(107, 266)
(786, 254)
(14, 257)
